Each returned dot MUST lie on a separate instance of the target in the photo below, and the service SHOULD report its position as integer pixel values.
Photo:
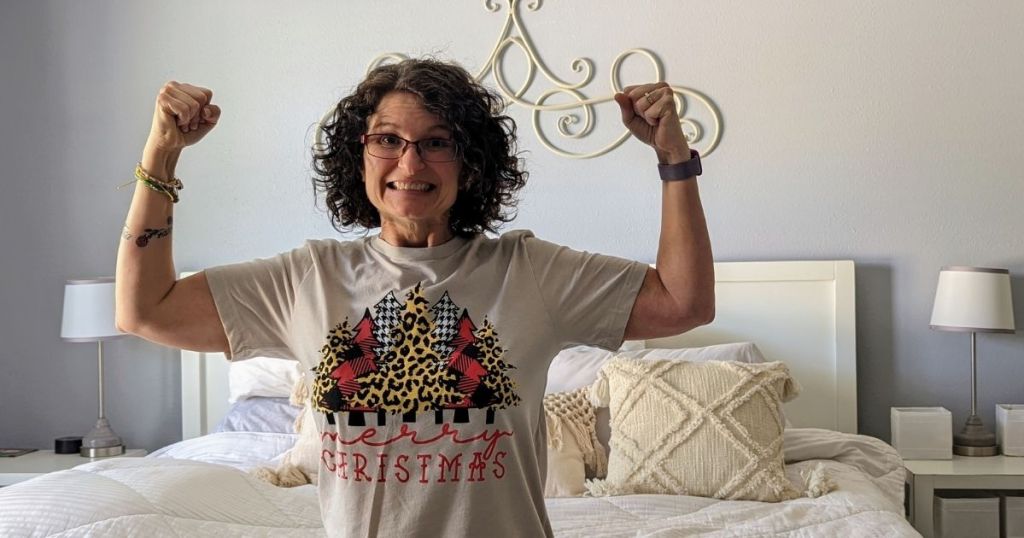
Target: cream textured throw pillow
(573, 449)
(710, 429)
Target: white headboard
(799, 312)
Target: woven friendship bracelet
(172, 195)
(173, 183)
(169, 188)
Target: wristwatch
(683, 170)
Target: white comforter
(166, 495)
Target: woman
(429, 343)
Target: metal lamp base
(974, 439)
(101, 451)
(975, 450)
(101, 442)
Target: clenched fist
(649, 112)
(184, 114)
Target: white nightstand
(40, 462)
(926, 476)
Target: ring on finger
(647, 96)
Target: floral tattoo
(143, 239)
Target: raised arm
(150, 301)
(679, 294)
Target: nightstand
(40, 462)
(962, 472)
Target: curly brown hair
(492, 171)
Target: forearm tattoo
(150, 233)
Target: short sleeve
(255, 301)
(588, 296)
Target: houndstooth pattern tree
(388, 310)
(446, 325)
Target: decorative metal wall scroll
(569, 123)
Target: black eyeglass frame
(415, 143)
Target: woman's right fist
(183, 116)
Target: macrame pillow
(573, 449)
(711, 429)
(299, 464)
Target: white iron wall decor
(570, 124)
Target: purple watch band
(683, 170)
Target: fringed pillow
(573, 449)
(711, 429)
(299, 464)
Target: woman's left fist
(649, 112)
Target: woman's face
(408, 192)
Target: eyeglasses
(389, 146)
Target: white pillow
(258, 414)
(261, 376)
(739, 352)
(577, 367)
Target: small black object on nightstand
(67, 445)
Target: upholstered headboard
(799, 312)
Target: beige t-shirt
(428, 368)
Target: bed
(802, 313)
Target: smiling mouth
(410, 186)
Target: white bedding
(857, 508)
(242, 450)
(210, 494)
(867, 501)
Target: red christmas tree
(359, 360)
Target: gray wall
(883, 132)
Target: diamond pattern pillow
(711, 429)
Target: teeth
(423, 187)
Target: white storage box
(1010, 429)
(922, 433)
(1013, 517)
(972, 517)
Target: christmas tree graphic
(446, 318)
(411, 383)
(327, 392)
(496, 381)
(389, 310)
(413, 357)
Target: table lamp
(89, 317)
(974, 300)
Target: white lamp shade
(975, 299)
(89, 311)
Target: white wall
(883, 132)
